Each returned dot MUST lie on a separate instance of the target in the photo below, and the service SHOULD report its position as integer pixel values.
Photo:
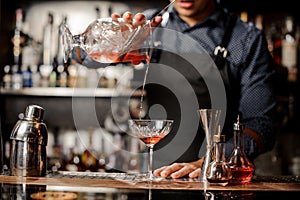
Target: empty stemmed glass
(150, 131)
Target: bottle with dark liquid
(89, 156)
(74, 161)
(218, 171)
(241, 168)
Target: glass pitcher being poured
(111, 41)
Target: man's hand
(137, 20)
(178, 170)
(135, 42)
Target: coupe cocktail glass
(150, 131)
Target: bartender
(183, 78)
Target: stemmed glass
(150, 131)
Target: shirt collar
(216, 18)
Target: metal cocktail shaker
(29, 140)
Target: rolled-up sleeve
(257, 103)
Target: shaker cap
(34, 112)
(31, 128)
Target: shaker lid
(31, 128)
(34, 112)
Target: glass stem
(150, 162)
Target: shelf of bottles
(282, 31)
(72, 92)
(96, 150)
(41, 64)
(38, 69)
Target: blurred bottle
(45, 71)
(60, 46)
(62, 75)
(73, 160)
(89, 156)
(244, 16)
(72, 75)
(133, 163)
(48, 41)
(274, 38)
(102, 160)
(93, 80)
(117, 160)
(290, 48)
(259, 19)
(98, 12)
(35, 76)
(17, 79)
(81, 76)
(110, 11)
(26, 76)
(55, 159)
(18, 38)
(7, 77)
(31, 53)
(31, 49)
(53, 74)
(62, 68)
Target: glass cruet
(241, 167)
(218, 171)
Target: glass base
(148, 177)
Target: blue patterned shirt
(250, 65)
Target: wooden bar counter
(133, 186)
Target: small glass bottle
(218, 171)
(241, 168)
(289, 49)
